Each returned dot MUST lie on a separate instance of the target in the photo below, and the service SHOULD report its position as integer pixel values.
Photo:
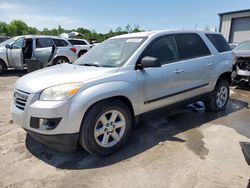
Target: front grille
(243, 63)
(20, 99)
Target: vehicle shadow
(18, 73)
(160, 126)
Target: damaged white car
(241, 71)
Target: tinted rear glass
(191, 45)
(60, 42)
(219, 42)
(77, 42)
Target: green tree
(18, 27)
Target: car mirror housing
(148, 61)
(8, 46)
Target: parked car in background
(48, 49)
(81, 45)
(96, 100)
(241, 71)
(3, 38)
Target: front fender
(102, 91)
(90, 95)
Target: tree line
(18, 27)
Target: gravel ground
(186, 147)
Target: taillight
(73, 50)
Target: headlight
(60, 92)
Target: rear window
(77, 42)
(43, 43)
(191, 45)
(219, 42)
(60, 42)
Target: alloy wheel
(222, 96)
(109, 128)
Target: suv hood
(60, 74)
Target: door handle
(210, 64)
(178, 71)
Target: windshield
(243, 46)
(111, 53)
(9, 41)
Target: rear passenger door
(197, 61)
(43, 49)
(163, 85)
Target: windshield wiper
(90, 64)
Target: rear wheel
(60, 60)
(3, 67)
(106, 127)
(218, 99)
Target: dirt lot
(187, 147)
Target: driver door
(163, 85)
(15, 53)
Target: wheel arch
(121, 98)
(1, 60)
(83, 50)
(225, 76)
(5, 66)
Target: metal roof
(234, 12)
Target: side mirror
(147, 62)
(8, 46)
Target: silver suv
(96, 100)
(48, 49)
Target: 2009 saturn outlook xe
(96, 100)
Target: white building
(235, 26)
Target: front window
(111, 53)
(243, 46)
(18, 44)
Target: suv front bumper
(62, 137)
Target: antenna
(195, 27)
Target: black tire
(3, 67)
(60, 60)
(87, 138)
(211, 103)
(81, 53)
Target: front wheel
(3, 67)
(218, 99)
(106, 127)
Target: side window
(191, 46)
(18, 44)
(219, 42)
(164, 49)
(60, 42)
(43, 43)
(77, 42)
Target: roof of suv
(152, 33)
(41, 36)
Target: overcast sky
(103, 15)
